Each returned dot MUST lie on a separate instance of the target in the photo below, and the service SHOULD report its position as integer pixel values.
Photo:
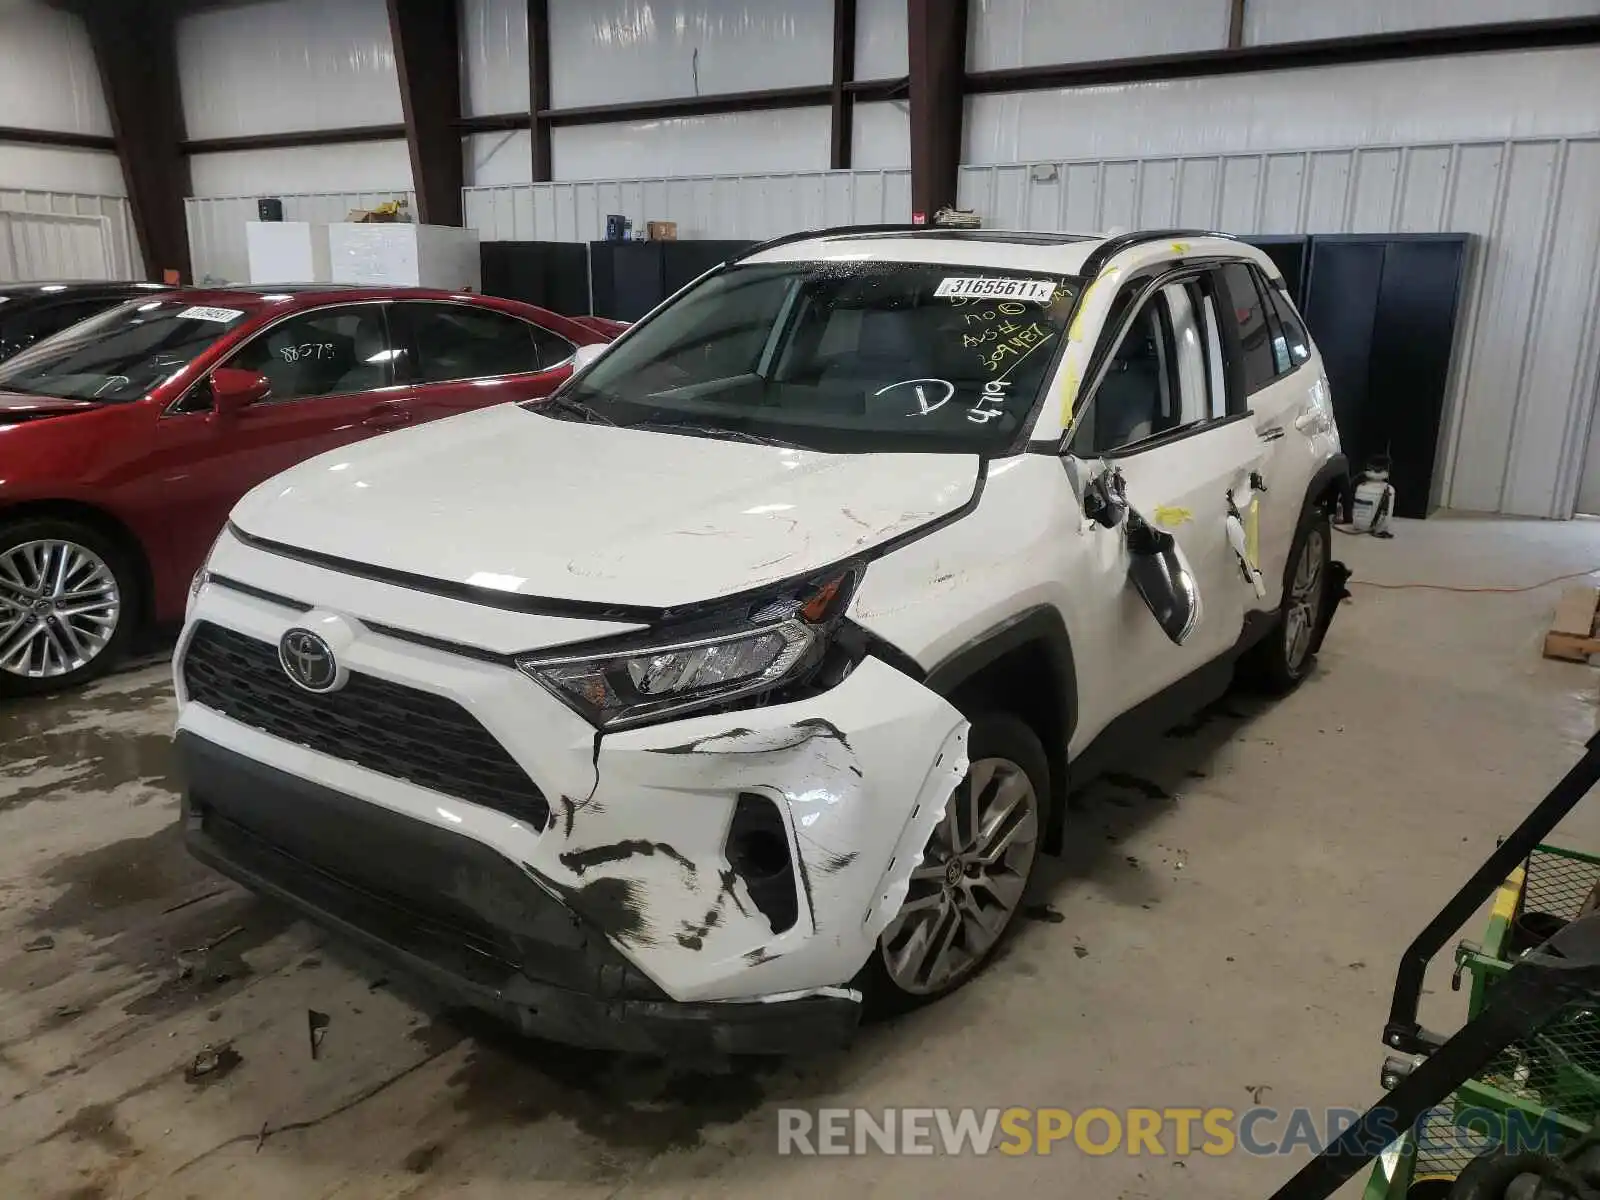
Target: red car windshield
(120, 355)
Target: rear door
(458, 357)
(1161, 432)
(1283, 382)
(331, 371)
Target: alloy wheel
(1305, 603)
(970, 882)
(59, 607)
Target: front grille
(387, 727)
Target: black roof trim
(805, 235)
(1111, 247)
(1019, 237)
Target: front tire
(1280, 662)
(966, 893)
(67, 604)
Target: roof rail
(1092, 265)
(1113, 246)
(806, 235)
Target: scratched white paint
(849, 801)
(905, 753)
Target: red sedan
(125, 440)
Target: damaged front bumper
(713, 884)
(374, 878)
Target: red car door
(332, 376)
(459, 356)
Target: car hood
(16, 407)
(508, 499)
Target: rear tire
(68, 604)
(974, 875)
(1280, 662)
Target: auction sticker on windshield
(997, 287)
(202, 313)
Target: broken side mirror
(1162, 578)
(1105, 498)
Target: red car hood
(17, 406)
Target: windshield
(119, 355)
(838, 356)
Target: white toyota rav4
(738, 687)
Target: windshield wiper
(570, 404)
(712, 431)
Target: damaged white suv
(738, 687)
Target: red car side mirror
(233, 389)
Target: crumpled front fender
(859, 774)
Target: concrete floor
(1232, 910)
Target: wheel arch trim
(1041, 626)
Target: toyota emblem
(309, 661)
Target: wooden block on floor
(1571, 635)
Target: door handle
(1271, 433)
(388, 416)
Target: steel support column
(539, 86)
(842, 131)
(427, 49)
(937, 44)
(137, 57)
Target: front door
(1157, 434)
(332, 384)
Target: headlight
(202, 575)
(783, 638)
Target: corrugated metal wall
(286, 66)
(216, 226)
(1518, 415)
(709, 206)
(125, 260)
(37, 245)
(621, 50)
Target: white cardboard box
(398, 254)
(288, 252)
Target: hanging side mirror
(1161, 576)
(1105, 498)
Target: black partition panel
(1383, 310)
(628, 278)
(684, 261)
(1290, 253)
(631, 278)
(553, 275)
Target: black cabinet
(1382, 309)
(631, 278)
(553, 275)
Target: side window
(1292, 347)
(552, 348)
(326, 352)
(456, 341)
(1255, 334)
(1140, 394)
